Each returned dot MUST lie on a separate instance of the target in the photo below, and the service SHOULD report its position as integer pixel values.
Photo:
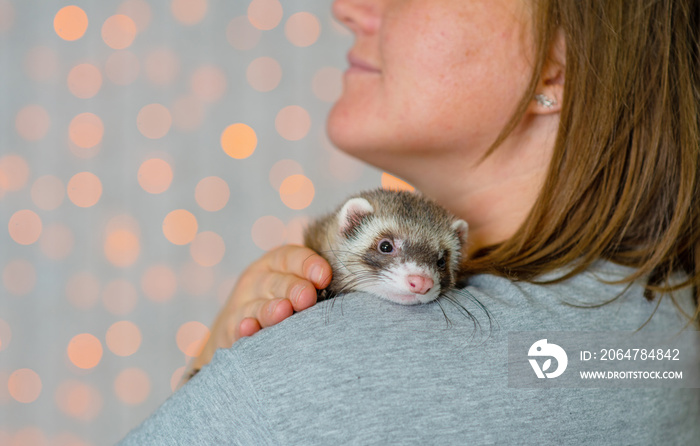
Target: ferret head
(406, 250)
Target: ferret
(398, 245)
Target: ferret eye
(385, 246)
(441, 262)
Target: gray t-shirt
(360, 370)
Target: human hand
(270, 290)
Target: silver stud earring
(545, 101)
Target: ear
(352, 213)
(461, 228)
(550, 90)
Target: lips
(359, 65)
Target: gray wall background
(62, 292)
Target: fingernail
(296, 292)
(316, 274)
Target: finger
(273, 285)
(303, 262)
(269, 312)
(248, 327)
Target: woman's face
(429, 75)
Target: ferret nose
(419, 284)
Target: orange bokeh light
(302, 29)
(48, 192)
(123, 338)
(212, 193)
(180, 227)
(122, 247)
(57, 241)
(297, 192)
(189, 12)
(119, 31)
(208, 83)
(392, 183)
(264, 74)
(283, 169)
(83, 290)
(14, 172)
(24, 385)
(191, 337)
(84, 80)
(154, 121)
(84, 189)
(78, 400)
(19, 277)
(119, 297)
(268, 232)
(207, 248)
(155, 176)
(84, 351)
(265, 14)
(32, 122)
(139, 11)
(132, 386)
(239, 141)
(70, 23)
(293, 123)
(25, 227)
(159, 283)
(86, 130)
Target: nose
(360, 16)
(419, 284)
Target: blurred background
(149, 151)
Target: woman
(566, 133)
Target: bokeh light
(119, 31)
(154, 121)
(191, 337)
(264, 74)
(283, 169)
(24, 385)
(212, 193)
(122, 67)
(162, 66)
(57, 241)
(32, 122)
(84, 189)
(78, 400)
(19, 277)
(132, 386)
(84, 80)
(302, 29)
(86, 130)
(297, 192)
(70, 23)
(208, 83)
(84, 351)
(139, 11)
(159, 283)
(327, 84)
(14, 172)
(293, 123)
(392, 183)
(239, 141)
(241, 35)
(265, 14)
(155, 176)
(122, 247)
(268, 232)
(119, 297)
(123, 338)
(83, 290)
(180, 227)
(25, 227)
(207, 248)
(189, 12)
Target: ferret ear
(352, 213)
(461, 228)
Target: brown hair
(623, 183)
